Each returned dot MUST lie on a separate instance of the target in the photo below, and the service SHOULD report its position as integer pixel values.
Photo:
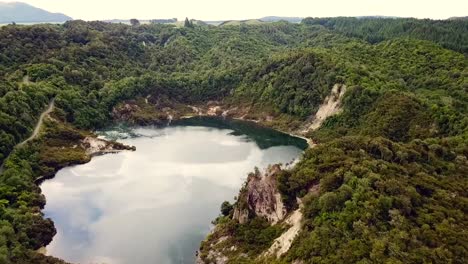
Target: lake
(156, 204)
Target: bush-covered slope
(383, 202)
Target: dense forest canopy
(450, 34)
(399, 146)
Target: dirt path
(37, 129)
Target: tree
(188, 23)
(135, 22)
(226, 208)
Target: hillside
(384, 183)
(448, 33)
(24, 13)
(241, 22)
(280, 18)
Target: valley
(378, 105)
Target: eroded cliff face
(330, 106)
(282, 244)
(260, 197)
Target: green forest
(392, 165)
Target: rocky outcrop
(216, 253)
(95, 146)
(215, 256)
(260, 197)
(215, 111)
(241, 215)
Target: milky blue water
(155, 205)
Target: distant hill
(279, 18)
(458, 18)
(254, 21)
(374, 17)
(23, 13)
(241, 22)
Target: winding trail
(37, 128)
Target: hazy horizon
(244, 9)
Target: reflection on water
(155, 205)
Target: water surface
(155, 205)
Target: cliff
(260, 197)
(259, 206)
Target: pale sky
(243, 9)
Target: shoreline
(309, 141)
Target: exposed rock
(124, 112)
(95, 146)
(260, 197)
(241, 215)
(215, 257)
(330, 106)
(298, 262)
(214, 111)
(146, 99)
(222, 239)
(282, 244)
(196, 110)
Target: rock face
(260, 197)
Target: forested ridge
(391, 166)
